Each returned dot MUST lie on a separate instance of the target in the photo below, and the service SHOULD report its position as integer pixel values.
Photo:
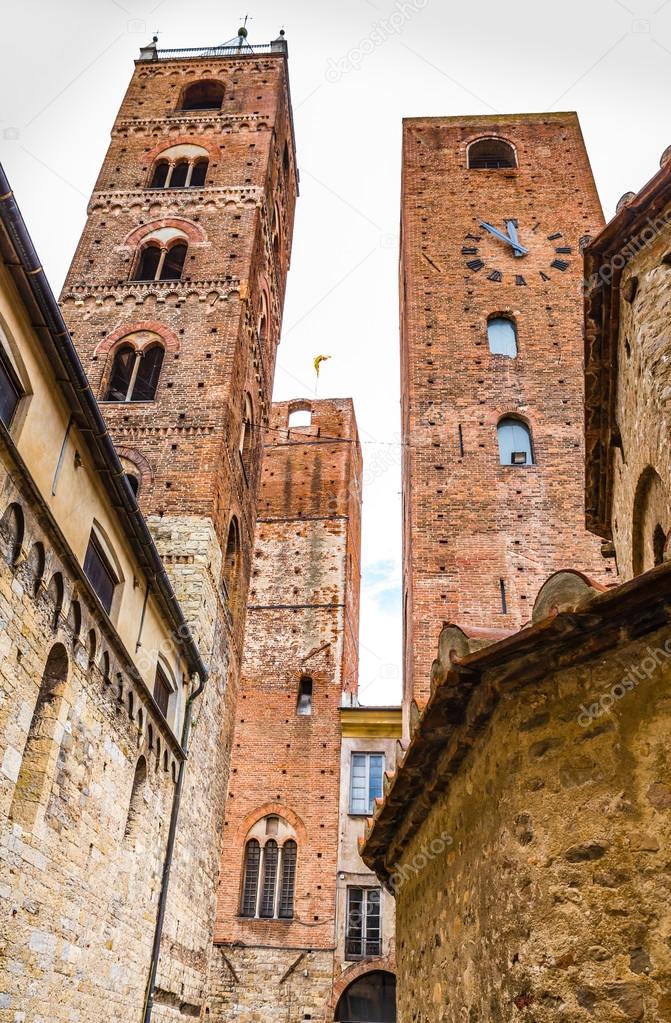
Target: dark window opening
(270, 861)
(250, 882)
(199, 173)
(100, 574)
(288, 880)
(179, 174)
(304, 704)
(162, 691)
(10, 390)
(160, 175)
(136, 800)
(133, 482)
(174, 262)
(504, 600)
(369, 999)
(203, 96)
(12, 530)
(490, 154)
(135, 375)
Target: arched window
(134, 815)
(179, 174)
(232, 564)
(198, 173)
(41, 748)
(160, 263)
(502, 336)
(203, 96)
(300, 417)
(74, 621)
(490, 154)
(133, 482)
(247, 433)
(269, 875)
(160, 176)
(514, 442)
(135, 374)
(304, 703)
(11, 532)
(250, 881)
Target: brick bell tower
(175, 299)
(276, 912)
(495, 211)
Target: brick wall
(470, 522)
(219, 325)
(302, 620)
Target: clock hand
(512, 233)
(519, 249)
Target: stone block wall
(536, 888)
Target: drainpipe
(167, 863)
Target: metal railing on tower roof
(238, 47)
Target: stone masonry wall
(642, 466)
(544, 896)
(79, 880)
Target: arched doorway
(369, 999)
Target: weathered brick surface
(470, 522)
(536, 888)
(302, 619)
(185, 443)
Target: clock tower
(495, 212)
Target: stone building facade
(530, 873)
(628, 381)
(99, 675)
(174, 300)
(494, 213)
(278, 952)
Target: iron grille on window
(250, 883)
(270, 858)
(286, 906)
(363, 923)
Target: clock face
(511, 253)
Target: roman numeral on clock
(495, 275)
(564, 249)
(544, 276)
(519, 281)
(560, 264)
(474, 237)
(475, 264)
(553, 237)
(469, 250)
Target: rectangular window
(162, 691)
(10, 392)
(366, 782)
(363, 923)
(99, 574)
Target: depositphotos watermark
(381, 31)
(419, 862)
(642, 672)
(606, 272)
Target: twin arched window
(157, 262)
(491, 154)
(515, 446)
(180, 174)
(135, 373)
(269, 877)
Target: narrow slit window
(504, 599)
(250, 883)
(304, 705)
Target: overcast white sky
(357, 67)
